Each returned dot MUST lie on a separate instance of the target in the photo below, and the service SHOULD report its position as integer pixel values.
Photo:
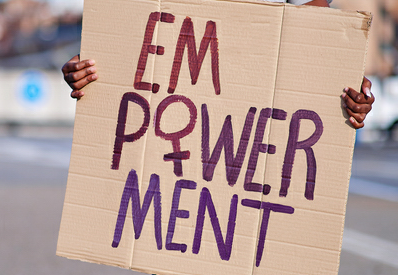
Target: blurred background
(36, 126)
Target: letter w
(195, 60)
(132, 192)
(233, 164)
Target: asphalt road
(33, 173)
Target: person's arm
(319, 3)
(357, 105)
(78, 74)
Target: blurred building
(35, 41)
(381, 123)
(32, 35)
(382, 57)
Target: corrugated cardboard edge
(57, 252)
(367, 24)
(367, 21)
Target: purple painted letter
(121, 137)
(177, 213)
(268, 207)
(293, 144)
(258, 147)
(224, 248)
(132, 192)
(177, 156)
(233, 164)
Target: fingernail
(367, 92)
(343, 95)
(344, 105)
(91, 62)
(352, 119)
(92, 70)
(346, 89)
(94, 77)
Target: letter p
(121, 137)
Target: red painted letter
(177, 154)
(147, 48)
(195, 60)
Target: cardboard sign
(214, 140)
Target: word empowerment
(252, 126)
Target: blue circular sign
(32, 88)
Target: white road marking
(370, 247)
(373, 190)
(14, 150)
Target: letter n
(224, 248)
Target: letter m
(195, 60)
(132, 192)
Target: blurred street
(370, 242)
(33, 175)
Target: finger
(366, 86)
(78, 85)
(359, 97)
(65, 69)
(359, 117)
(355, 123)
(354, 95)
(75, 65)
(354, 106)
(76, 94)
(76, 76)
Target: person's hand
(358, 105)
(78, 74)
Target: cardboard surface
(271, 198)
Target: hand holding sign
(358, 105)
(78, 74)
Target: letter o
(163, 106)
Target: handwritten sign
(214, 141)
